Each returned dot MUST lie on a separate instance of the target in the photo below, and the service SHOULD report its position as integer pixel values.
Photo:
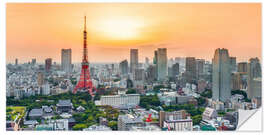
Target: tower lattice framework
(84, 83)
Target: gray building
(221, 76)
(64, 106)
(254, 78)
(66, 60)
(233, 64)
(126, 122)
(134, 60)
(162, 69)
(190, 69)
(123, 66)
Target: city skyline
(180, 34)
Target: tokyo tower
(85, 83)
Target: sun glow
(121, 29)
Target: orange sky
(42, 30)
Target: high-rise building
(242, 67)
(123, 67)
(233, 64)
(254, 78)
(146, 62)
(40, 78)
(199, 68)
(221, 77)
(151, 73)
(139, 75)
(190, 69)
(16, 61)
(175, 69)
(33, 61)
(134, 60)
(66, 60)
(48, 64)
(162, 69)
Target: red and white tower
(85, 83)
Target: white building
(120, 100)
(179, 125)
(66, 60)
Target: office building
(134, 60)
(66, 60)
(233, 64)
(221, 77)
(127, 121)
(131, 100)
(40, 78)
(190, 69)
(48, 64)
(123, 66)
(254, 78)
(162, 69)
(242, 67)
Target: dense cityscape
(160, 94)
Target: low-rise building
(126, 122)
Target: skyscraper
(254, 78)
(190, 69)
(16, 61)
(40, 78)
(133, 59)
(123, 66)
(34, 61)
(199, 68)
(48, 64)
(221, 76)
(66, 60)
(242, 67)
(233, 64)
(162, 69)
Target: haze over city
(41, 30)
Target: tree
(196, 119)
(79, 126)
(131, 91)
(113, 125)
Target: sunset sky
(41, 30)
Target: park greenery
(149, 101)
(131, 91)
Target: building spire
(84, 23)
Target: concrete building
(34, 61)
(151, 73)
(179, 125)
(221, 77)
(123, 66)
(131, 100)
(16, 61)
(209, 114)
(162, 69)
(176, 115)
(134, 60)
(40, 78)
(66, 60)
(190, 69)
(242, 67)
(254, 78)
(127, 121)
(199, 68)
(233, 64)
(48, 64)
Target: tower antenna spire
(84, 22)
